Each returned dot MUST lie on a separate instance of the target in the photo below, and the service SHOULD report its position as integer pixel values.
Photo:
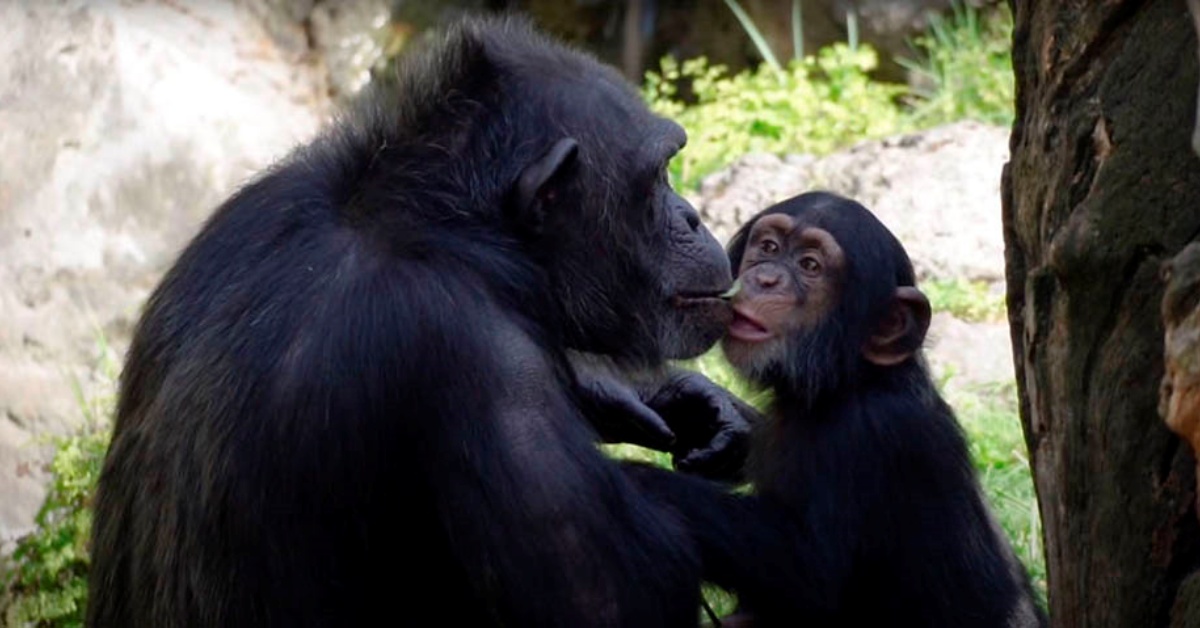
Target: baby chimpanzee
(866, 510)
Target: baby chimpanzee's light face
(790, 275)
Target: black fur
(348, 402)
(866, 511)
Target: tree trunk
(1102, 187)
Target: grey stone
(969, 355)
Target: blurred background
(124, 123)
(635, 34)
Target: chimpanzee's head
(635, 272)
(827, 293)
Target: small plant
(963, 68)
(815, 105)
(45, 583)
(972, 301)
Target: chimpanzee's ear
(902, 330)
(540, 183)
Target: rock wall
(122, 125)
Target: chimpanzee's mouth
(699, 298)
(747, 328)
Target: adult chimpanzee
(351, 397)
(867, 511)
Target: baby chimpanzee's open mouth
(747, 328)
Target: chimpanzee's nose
(768, 278)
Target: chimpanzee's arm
(778, 563)
(546, 529)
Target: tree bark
(1102, 187)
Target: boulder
(938, 191)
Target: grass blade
(760, 42)
(797, 31)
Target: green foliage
(722, 602)
(814, 105)
(818, 104)
(964, 64)
(973, 301)
(990, 417)
(46, 583)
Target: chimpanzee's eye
(770, 247)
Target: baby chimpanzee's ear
(902, 330)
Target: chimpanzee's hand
(711, 425)
(704, 426)
(617, 412)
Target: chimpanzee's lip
(746, 328)
(698, 298)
